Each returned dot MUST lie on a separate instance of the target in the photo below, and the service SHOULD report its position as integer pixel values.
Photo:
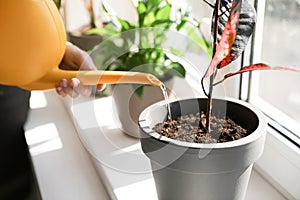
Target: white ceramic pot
(219, 171)
(128, 105)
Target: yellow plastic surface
(32, 44)
(32, 39)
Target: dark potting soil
(191, 128)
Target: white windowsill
(280, 163)
(58, 137)
(64, 169)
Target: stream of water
(165, 93)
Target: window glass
(281, 47)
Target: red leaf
(258, 66)
(227, 39)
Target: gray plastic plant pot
(219, 171)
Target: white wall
(76, 15)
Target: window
(277, 93)
(281, 35)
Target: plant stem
(212, 77)
(209, 104)
(208, 3)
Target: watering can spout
(93, 77)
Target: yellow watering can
(32, 44)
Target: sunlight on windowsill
(134, 148)
(38, 100)
(43, 139)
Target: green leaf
(176, 52)
(164, 13)
(168, 22)
(153, 4)
(125, 25)
(135, 60)
(109, 29)
(138, 89)
(200, 40)
(149, 19)
(98, 31)
(95, 31)
(181, 25)
(141, 8)
(177, 69)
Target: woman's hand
(75, 58)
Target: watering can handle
(92, 77)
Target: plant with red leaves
(232, 26)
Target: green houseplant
(141, 46)
(209, 169)
(142, 41)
